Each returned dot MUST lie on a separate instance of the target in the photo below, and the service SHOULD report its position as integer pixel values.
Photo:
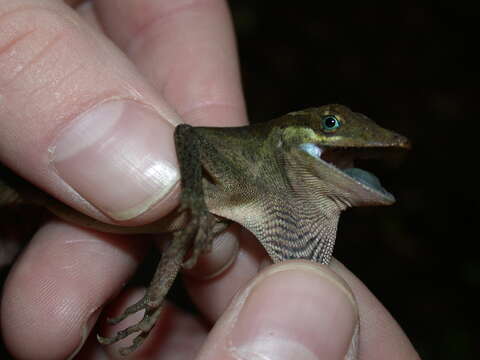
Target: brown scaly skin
(286, 181)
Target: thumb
(78, 120)
(294, 310)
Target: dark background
(410, 67)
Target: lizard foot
(167, 269)
(144, 326)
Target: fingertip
(291, 309)
(75, 93)
(224, 251)
(238, 261)
(117, 164)
(382, 337)
(52, 295)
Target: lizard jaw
(342, 161)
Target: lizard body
(286, 181)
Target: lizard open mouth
(342, 159)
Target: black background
(409, 66)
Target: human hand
(293, 310)
(107, 83)
(305, 311)
(56, 68)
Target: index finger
(186, 49)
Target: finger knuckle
(30, 36)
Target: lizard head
(326, 140)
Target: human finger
(291, 310)
(381, 335)
(54, 293)
(236, 259)
(186, 49)
(79, 120)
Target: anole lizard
(286, 181)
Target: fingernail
(118, 156)
(300, 312)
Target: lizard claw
(142, 304)
(151, 302)
(143, 327)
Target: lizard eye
(330, 123)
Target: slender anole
(286, 180)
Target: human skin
(72, 83)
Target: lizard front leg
(198, 234)
(201, 221)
